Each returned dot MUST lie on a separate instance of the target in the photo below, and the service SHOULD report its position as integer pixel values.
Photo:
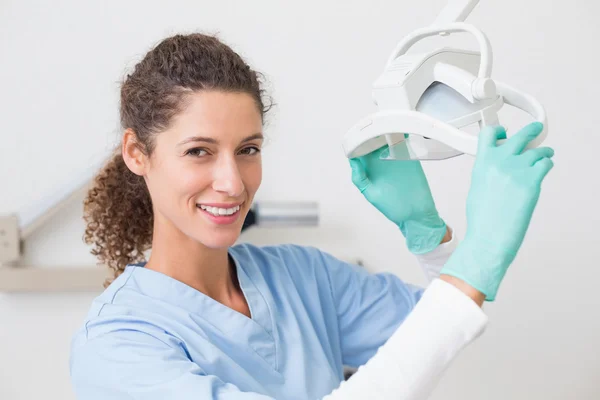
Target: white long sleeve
(433, 261)
(410, 363)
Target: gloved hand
(400, 191)
(505, 187)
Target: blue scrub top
(149, 336)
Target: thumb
(359, 174)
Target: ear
(132, 153)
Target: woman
(204, 318)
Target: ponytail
(118, 216)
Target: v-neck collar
(257, 332)
(258, 305)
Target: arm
(371, 307)
(411, 362)
(433, 261)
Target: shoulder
(123, 306)
(116, 293)
(110, 295)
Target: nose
(227, 177)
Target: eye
(250, 150)
(197, 152)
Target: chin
(219, 240)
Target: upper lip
(221, 205)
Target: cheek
(178, 179)
(252, 176)
(192, 179)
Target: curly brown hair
(118, 209)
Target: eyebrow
(215, 141)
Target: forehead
(221, 115)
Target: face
(206, 168)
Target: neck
(181, 257)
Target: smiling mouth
(220, 211)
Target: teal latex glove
(505, 187)
(400, 191)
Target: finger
(517, 143)
(532, 156)
(489, 135)
(542, 167)
(374, 155)
(359, 174)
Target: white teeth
(220, 211)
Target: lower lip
(221, 219)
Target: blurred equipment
(282, 215)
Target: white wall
(60, 63)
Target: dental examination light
(17, 227)
(427, 101)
